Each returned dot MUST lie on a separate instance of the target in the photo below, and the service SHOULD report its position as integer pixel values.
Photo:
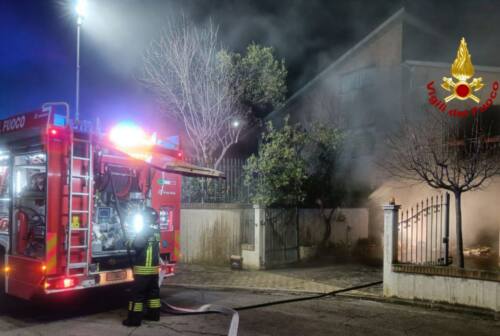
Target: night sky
(39, 40)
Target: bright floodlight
(81, 8)
(132, 140)
(129, 135)
(236, 123)
(138, 222)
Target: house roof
(395, 18)
(482, 68)
(400, 16)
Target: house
(379, 82)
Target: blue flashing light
(172, 142)
(59, 120)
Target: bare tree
(446, 153)
(192, 77)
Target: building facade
(372, 89)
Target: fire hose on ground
(233, 312)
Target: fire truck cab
(69, 196)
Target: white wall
(210, 236)
(469, 292)
(436, 288)
(347, 231)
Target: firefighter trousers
(145, 300)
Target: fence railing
(247, 222)
(423, 232)
(281, 232)
(229, 190)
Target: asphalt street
(100, 313)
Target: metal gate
(423, 233)
(281, 236)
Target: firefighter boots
(135, 311)
(152, 315)
(132, 321)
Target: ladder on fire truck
(79, 219)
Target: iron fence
(423, 232)
(229, 190)
(247, 222)
(281, 225)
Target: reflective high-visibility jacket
(146, 245)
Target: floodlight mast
(81, 9)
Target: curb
(355, 294)
(444, 307)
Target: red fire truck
(67, 193)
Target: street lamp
(81, 9)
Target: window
(4, 192)
(29, 194)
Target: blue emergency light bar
(172, 142)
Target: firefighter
(145, 300)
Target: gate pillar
(391, 212)
(255, 257)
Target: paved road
(101, 313)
